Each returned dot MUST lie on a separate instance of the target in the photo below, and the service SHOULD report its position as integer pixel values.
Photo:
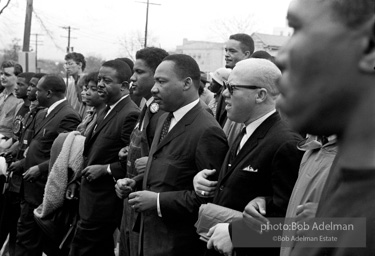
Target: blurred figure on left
(8, 100)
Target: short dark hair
(39, 75)
(27, 76)
(353, 13)
(122, 69)
(12, 64)
(93, 76)
(77, 57)
(185, 66)
(247, 43)
(127, 61)
(153, 56)
(55, 83)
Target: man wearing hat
(216, 86)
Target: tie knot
(107, 108)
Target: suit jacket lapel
(251, 143)
(94, 132)
(179, 128)
(50, 116)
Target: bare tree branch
(226, 27)
(5, 6)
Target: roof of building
(271, 40)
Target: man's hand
(143, 200)
(123, 154)
(306, 211)
(253, 213)
(140, 164)
(124, 187)
(72, 191)
(202, 186)
(220, 239)
(32, 174)
(93, 172)
(16, 167)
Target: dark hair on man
(39, 75)
(122, 69)
(93, 76)
(247, 43)
(12, 64)
(185, 66)
(153, 56)
(261, 55)
(55, 83)
(127, 61)
(353, 13)
(27, 76)
(77, 57)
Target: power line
(69, 28)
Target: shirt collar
(255, 124)
(149, 101)
(179, 113)
(54, 105)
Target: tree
(11, 53)
(134, 41)
(4, 6)
(233, 25)
(93, 64)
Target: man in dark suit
(263, 162)
(187, 139)
(57, 118)
(99, 207)
(147, 60)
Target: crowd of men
(156, 157)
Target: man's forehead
(8, 70)
(21, 80)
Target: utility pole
(36, 49)
(26, 34)
(146, 27)
(69, 28)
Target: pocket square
(249, 169)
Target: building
(208, 55)
(269, 43)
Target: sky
(101, 28)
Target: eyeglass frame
(230, 87)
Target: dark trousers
(29, 235)
(92, 238)
(129, 239)
(9, 214)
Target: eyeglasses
(231, 87)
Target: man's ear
(367, 62)
(188, 82)
(124, 86)
(247, 54)
(261, 95)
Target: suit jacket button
(148, 187)
(221, 187)
(154, 157)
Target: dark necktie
(166, 125)
(102, 115)
(236, 144)
(142, 115)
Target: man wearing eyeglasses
(262, 164)
(75, 64)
